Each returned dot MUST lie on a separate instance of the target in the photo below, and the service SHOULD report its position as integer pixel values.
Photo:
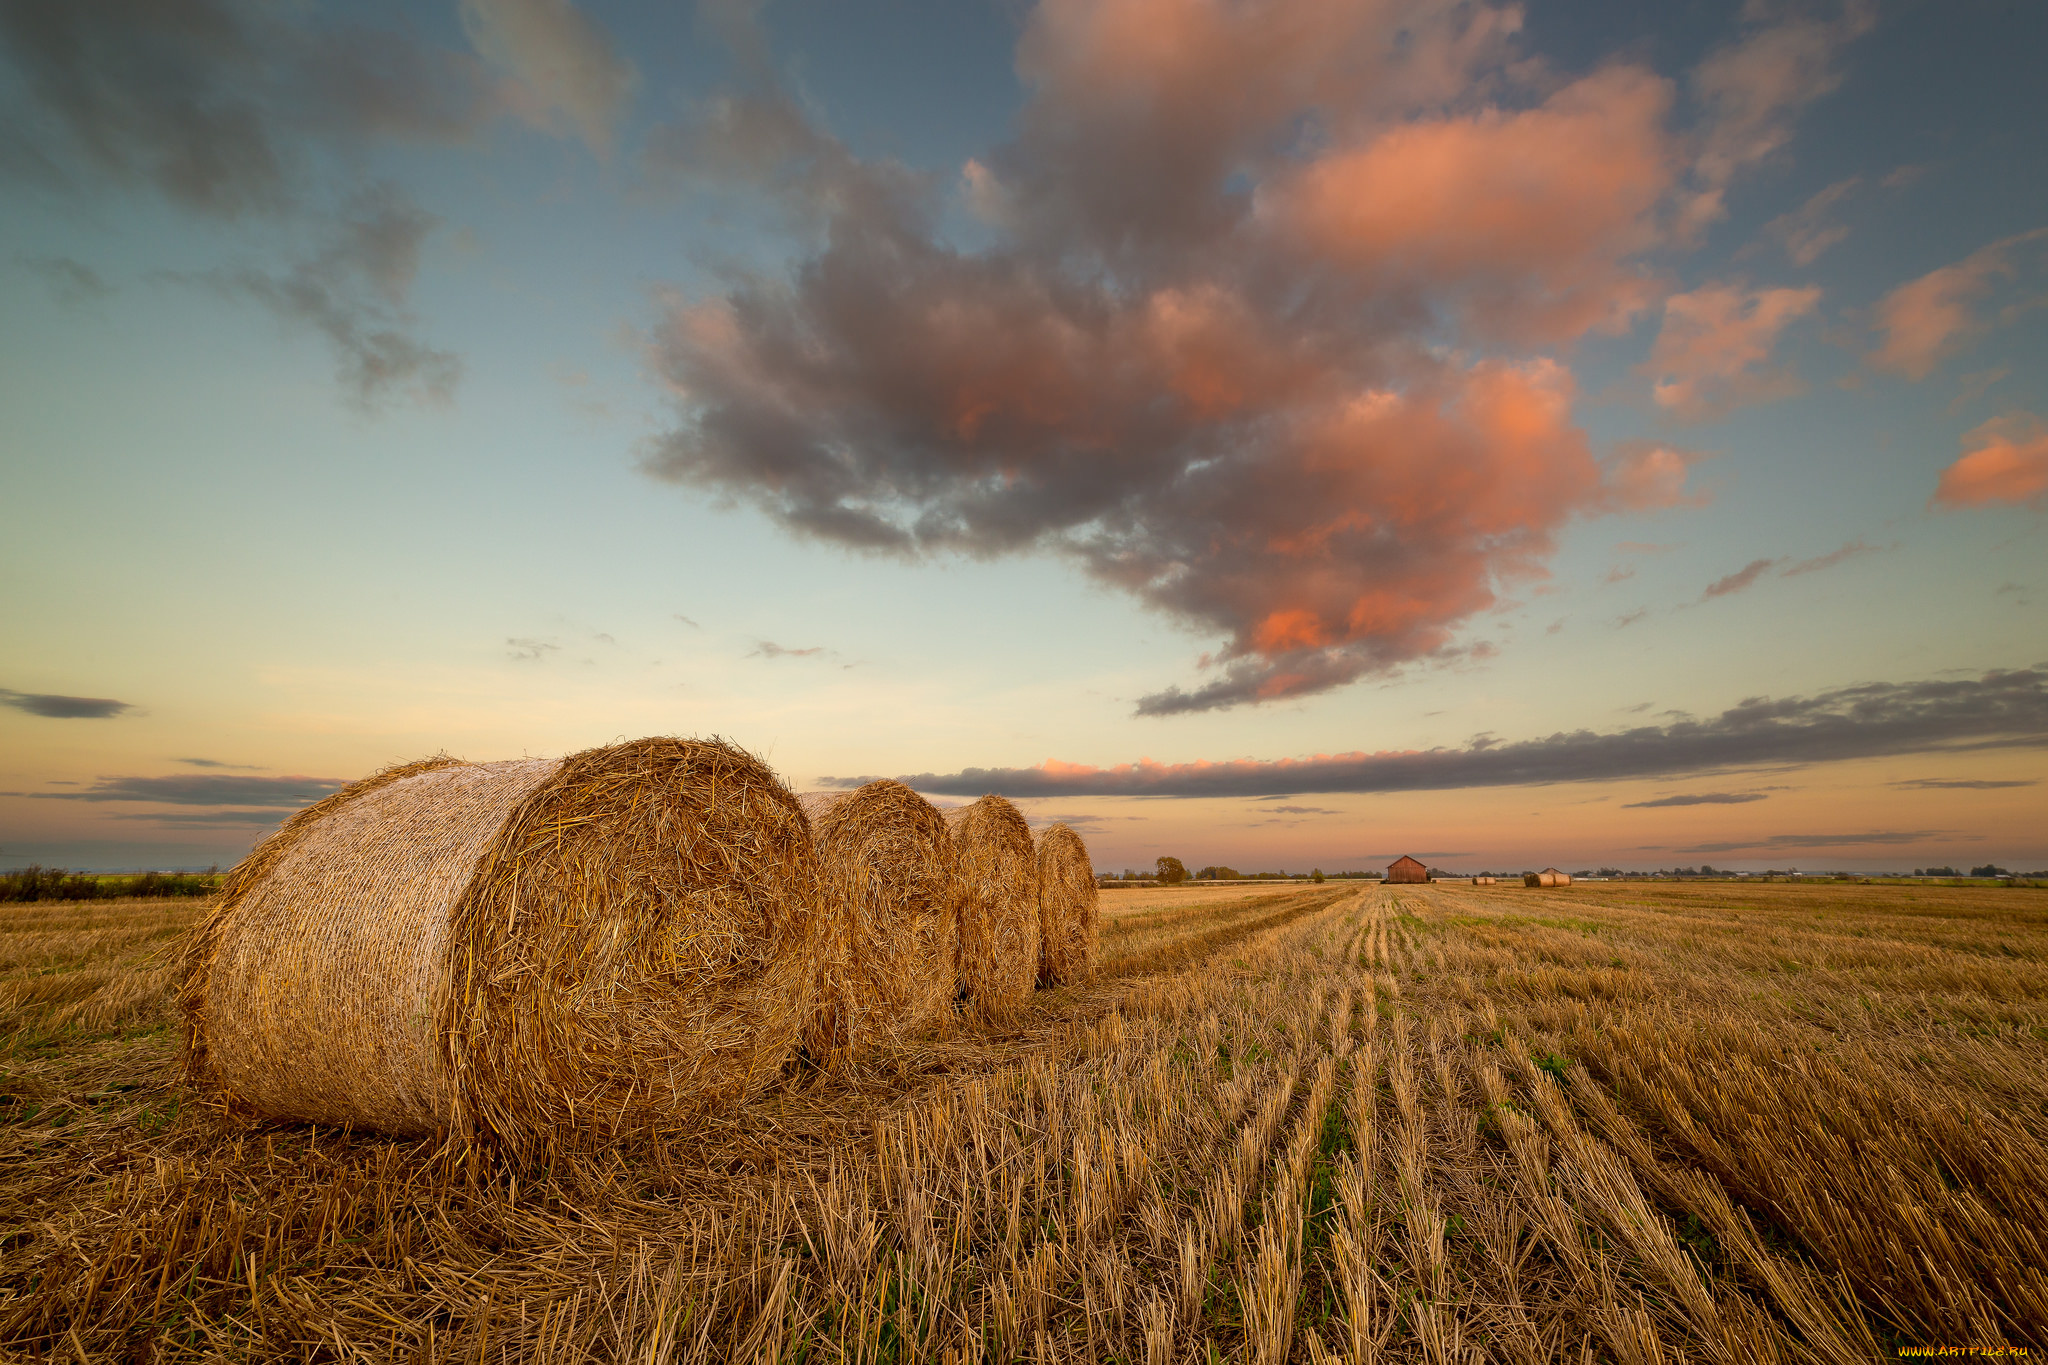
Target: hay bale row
(1067, 896)
(537, 953)
(886, 867)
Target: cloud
(211, 819)
(768, 649)
(1629, 619)
(266, 113)
(353, 292)
(1420, 853)
(216, 763)
(529, 651)
(1740, 579)
(1297, 810)
(274, 793)
(1751, 90)
(2002, 709)
(1713, 352)
(1886, 837)
(2004, 460)
(1829, 560)
(1963, 784)
(1276, 364)
(212, 103)
(1932, 317)
(1810, 229)
(1644, 475)
(71, 281)
(564, 66)
(686, 621)
(1971, 387)
(1620, 573)
(1703, 799)
(57, 707)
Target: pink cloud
(1931, 317)
(1271, 329)
(2004, 460)
(1753, 89)
(1642, 476)
(1713, 352)
(1811, 229)
(1531, 216)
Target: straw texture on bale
(996, 889)
(525, 953)
(885, 866)
(1066, 908)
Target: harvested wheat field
(1628, 1123)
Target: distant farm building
(1406, 869)
(1549, 876)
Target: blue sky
(1008, 394)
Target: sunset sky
(1275, 433)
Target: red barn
(1406, 869)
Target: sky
(1269, 433)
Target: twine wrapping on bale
(885, 864)
(996, 929)
(529, 953)
(1066, 908)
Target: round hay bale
(885, 863)
(1066, 908)
(527, 953)
(996, 890)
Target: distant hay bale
(525, 953)
(885, 864)
(1067, 899)
(996, 884)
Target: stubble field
(1638, 1123)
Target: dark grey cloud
(274, 793)
(1298, 810)
(1703, 799)
(1964, 784)
(211, 819)
(212, 103)
(527, 651)
(686, 621)
(71, 281)
(1852, 550)
(1887, 837)
(768, 649)
(2001, 709)
(353, 293)
(1740, 579)
(58, 707)
(261, 112)
(216, 763)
